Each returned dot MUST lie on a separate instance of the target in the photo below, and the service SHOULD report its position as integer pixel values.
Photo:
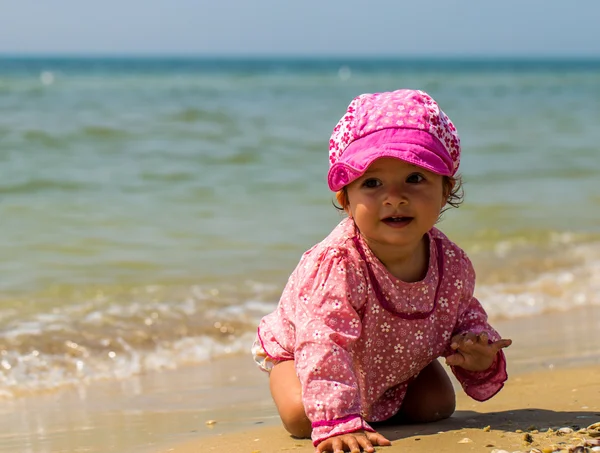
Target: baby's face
(395, 203)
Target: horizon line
(306, 56)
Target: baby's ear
(448, 185)
(342, 198)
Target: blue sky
(308, 27)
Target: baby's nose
(396, 195)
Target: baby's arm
(327, 325)
(475, 350)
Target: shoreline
(545, 382)
(554, 357)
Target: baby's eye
(415, 178)
(371, 183)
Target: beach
(551, 386)
(536, 403)
(531, 403)
(153, 209)
(224, 405)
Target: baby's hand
(473, 352)
(352, 442)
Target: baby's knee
(294, 417)
(444, 407)
(432, 406)
(287, 394)
(438, 405)
(296, 423)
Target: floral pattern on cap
(409, 109)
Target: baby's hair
(451, 184)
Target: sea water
(151, 210)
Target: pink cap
(405, 124)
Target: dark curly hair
(452, 186)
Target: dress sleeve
(479, 385)
(327, 325)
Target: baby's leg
(287, 394)
(430, 397)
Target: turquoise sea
(151, 210)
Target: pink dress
(359, 335)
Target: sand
(531, 403)
(554, 382)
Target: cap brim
(415, 147)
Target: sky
(301, 28)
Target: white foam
(556, 289)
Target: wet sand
(554, 380)
(530, 403)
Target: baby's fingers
(378, 439)
(463, 340)
(353, 444)
(503, 343)
(455, 359)
(483, 338)
(365, 444)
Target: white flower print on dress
(418, 335)
(378, 359)
(443, 301)
(450, 253)
(354, 323)
(385, 327)
(375, 309)
(399, 348)
(458, 284)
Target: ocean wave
(100, 338)
(195, 115)
(42, 186)
(114, 334)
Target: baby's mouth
(397, 221)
